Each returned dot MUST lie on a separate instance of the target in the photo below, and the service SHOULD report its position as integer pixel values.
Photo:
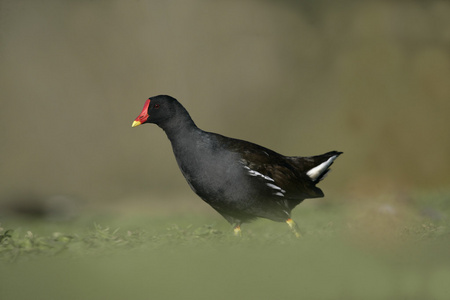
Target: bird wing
(282, 178)
(273, 171)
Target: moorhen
(241, 180)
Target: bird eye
(156, 106)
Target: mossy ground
(387, 248)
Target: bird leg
(294, 227)
(237, 230)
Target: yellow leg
(237, 230)
(293, 227)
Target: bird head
(156, 109)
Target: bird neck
(179, 128)
(183, 135)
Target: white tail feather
(315, 172)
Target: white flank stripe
(275, 187)
(315, 172)
(279, 191)
(255, 173)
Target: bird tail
(321, 170)
(316, 167)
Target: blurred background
(370, 78)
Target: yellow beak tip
(136, 123)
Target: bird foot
(237, 231)
(294, 227)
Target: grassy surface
(390, 248)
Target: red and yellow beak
(143, 117)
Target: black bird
(241, 180)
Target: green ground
(388, 248)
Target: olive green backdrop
(370, 78)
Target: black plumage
(240, 180)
